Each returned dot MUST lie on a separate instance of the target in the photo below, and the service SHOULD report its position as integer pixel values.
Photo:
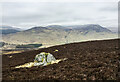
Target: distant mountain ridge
(57, 34)
(96, 28)
(8, 29)
(89, 27)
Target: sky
(30, 14)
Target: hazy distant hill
(92, 27)
(8, 30)
(56, 34)
(114, 29)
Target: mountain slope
(8, 30)
(55, 35)
(92, 27)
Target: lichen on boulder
(43, 59)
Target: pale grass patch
(31, 64)
(12, 52)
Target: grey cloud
(110, 9)
(55, 12)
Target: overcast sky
(29, 14)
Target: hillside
(92, 60)
(56, 34)
(8, 30)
